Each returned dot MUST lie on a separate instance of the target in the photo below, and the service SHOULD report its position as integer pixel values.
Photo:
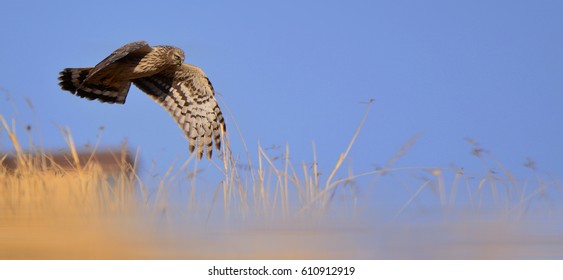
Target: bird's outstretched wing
(187, 94)
(100, 82)
(138, 47)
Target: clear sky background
(293, 72)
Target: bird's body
(182, 89)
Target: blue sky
(293, 72)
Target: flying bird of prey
(159, 71)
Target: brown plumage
(182, 89)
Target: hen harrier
(182, 89)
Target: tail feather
(72, 80)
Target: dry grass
(51, 212)
(48, 211)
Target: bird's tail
(72, 80)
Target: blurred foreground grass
(78, 210)
(273, 209)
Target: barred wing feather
(187, 94)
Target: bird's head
(176, 56)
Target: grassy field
(267, 208)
